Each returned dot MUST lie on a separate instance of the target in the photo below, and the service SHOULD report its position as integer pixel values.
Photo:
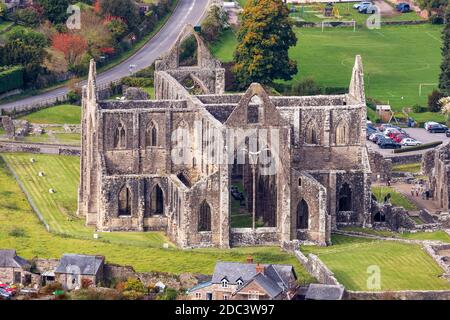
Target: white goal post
(352, 23)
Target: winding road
(187, 11)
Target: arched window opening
(204, 219)
(255, 110)
(157, 201)
(125, 202)
(311, 136)
(120, 137)
(342, 133)
(345, 198)
(183, 178)
(379, 217)
(151, 136)
(302, 215)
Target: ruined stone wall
(436, 165)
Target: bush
(421, 147)
(306, 87)
(137, 82)
(52, 287)
(92, 294)
(433, 101)
(436, 19)
(73, 97)
(86, 283)
(417, 108)
(169, 294)
(11, 78)
(17, 233)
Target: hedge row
(421, 147)
(11, 78)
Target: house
(247, 281)
(73, 269)
(14, 269)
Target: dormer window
(239, 282)
(224, 283)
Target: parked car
(448, 133)
(399, 138)
(375, 136)
(358, 5)
(437, 128)
(410, 142)
(389, 144)
(428, 124)
(382, 139)
(5, 294)
(367, 8)
(389, 131)
(403, 7)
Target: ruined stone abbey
(131, 179)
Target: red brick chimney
(250, 260)
(260, 268)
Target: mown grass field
(410, 167)
(397, 59)
(435, 235)
(397, 199)
(21, 229)
(403, 266)
(63, 114)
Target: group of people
(420, 190)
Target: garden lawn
(435, 235)
(394, 65)
(63, 114)
(411, 167)
(20, 229)
(403, 266)
(397, 199)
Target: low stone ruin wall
(316, 268)
(39, 148)
(405, 159)
(247, 237)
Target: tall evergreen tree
(55, 10)
(264, 38)
(444, 79)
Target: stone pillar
(224, 213)
(332, 198)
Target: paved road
(188, 11)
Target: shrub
(11, 78)
(436, 19)
(17, 233)
(433, 101)
(169, 294)
(86, 283)
(96, 294)
(73, 97)
(137, 82)
(417, 108)
(421, 147)
(51, 287)
(306, 87)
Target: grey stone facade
(130, 181)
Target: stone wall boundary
(39, 148)
(316, 268)
(398, 295)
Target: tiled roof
(324, 292)
(79, 264)
(9, 259)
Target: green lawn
(63, 114)
(411, 167)
(403, 266)
(394, 64)
(435, 235)
(397, 199)
(143, 251)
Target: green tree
(126, 9)
(3, 10)
(432, 4)
(444, 78)
(118, 29)
(264, 40)
(55, 10)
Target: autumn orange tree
(73, 46)
(264, 38)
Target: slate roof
(268, 284)
(275, 280)
(80, 264)
(324, 292)
(10, 259)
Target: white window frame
(198, 295)
(253, 295)
(224, 283)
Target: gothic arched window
(345, 198)
(157, 201)
(204, 218)
(124, 202)
(151, 136)
(342, 134)
(302, 215)
(120, 141)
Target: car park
(437, 128)
(410, 142)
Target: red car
(8, 288)
(399, 138)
